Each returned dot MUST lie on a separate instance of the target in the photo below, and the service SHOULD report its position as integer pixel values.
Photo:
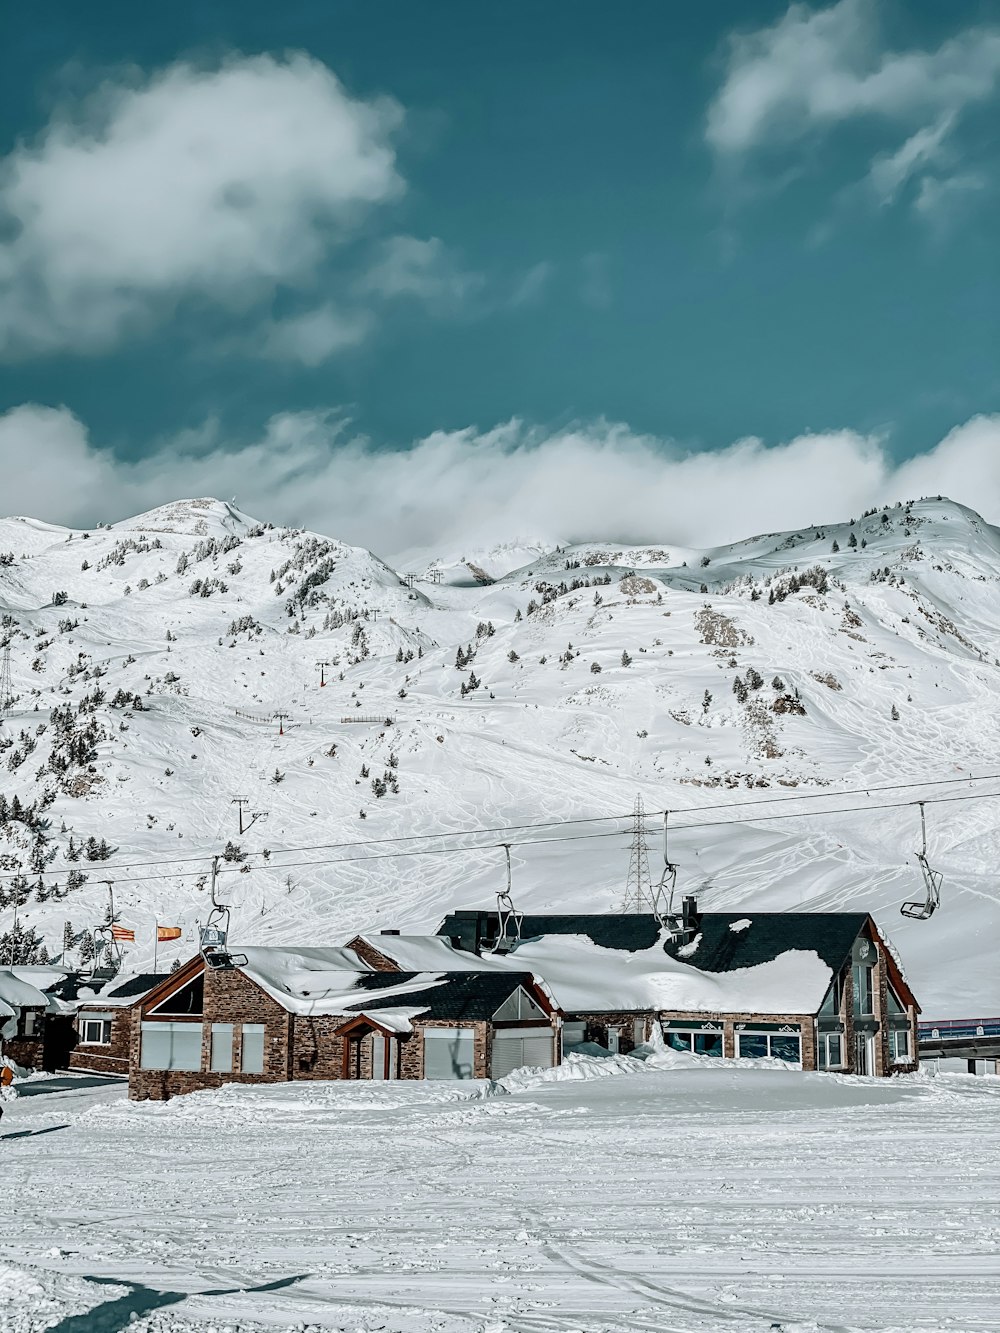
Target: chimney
(388, 932)
(690, 918)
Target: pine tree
(852, 541)
(626, 660)
(894, 714)
(706, 701)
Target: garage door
(514, 1047)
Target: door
(378, 1057)
(515, 1047)
(614, 1036)
(864, 1054)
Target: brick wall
(230, 997)
(112, 1059)
(598, 1025)
(369, 954)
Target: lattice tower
(639, 895)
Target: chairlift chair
(922, 909)
(509, 916)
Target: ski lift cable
(204, 856)
(523, 842)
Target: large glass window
(696, 1041)
(190, 999)
(171, 1046)
(222, 1048)
(252, 1061)
(777, 1045)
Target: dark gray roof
(134, 987)
(465, 995)
(611, 930)
(720, 949)
(770, 934)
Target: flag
(168, 933)
(123, 935)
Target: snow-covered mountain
(866, 654)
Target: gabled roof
(468, 996)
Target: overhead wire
(242, 868)
(205, 856)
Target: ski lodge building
(313, 1013)
(813, 990)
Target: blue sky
(272, 248)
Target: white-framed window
(221, 1054)
(830, 1050)
(899, 1046)
(699, 1041)
(751, 1045)
(95, 1029)
(171, 1046)
(252, 1059)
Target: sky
(444, 275)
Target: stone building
(103, 1024)
(279, 1015)
(818, 990)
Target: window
(830, 1052)
(30, 1022)
(95, 1029)
(899, 1045)
(832, 999)
(895, 1004)
(171, 1046)
(222, 1048)
(190, 999)
(449, 1052)
(252, 1060)
(638, 1031)
(777, 1045)
(864, 990)
(697, 1041)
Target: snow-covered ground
(888, 673)
(667, 1200)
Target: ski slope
(908, 623)
(618, 1197)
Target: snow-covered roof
(21, 994)
(584, 977)
(319, 981)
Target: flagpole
(156, 941)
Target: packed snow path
(657, 1200)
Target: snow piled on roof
(20, 994)
(583, 977)
(321, 981)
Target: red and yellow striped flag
(123, 935)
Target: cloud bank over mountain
(598, 481)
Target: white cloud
(889, 172)
(471, 488)
(310, 338)
(817, 69)
(214, 183)
(408, 266)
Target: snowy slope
(909, 620)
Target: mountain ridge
(216, 622)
